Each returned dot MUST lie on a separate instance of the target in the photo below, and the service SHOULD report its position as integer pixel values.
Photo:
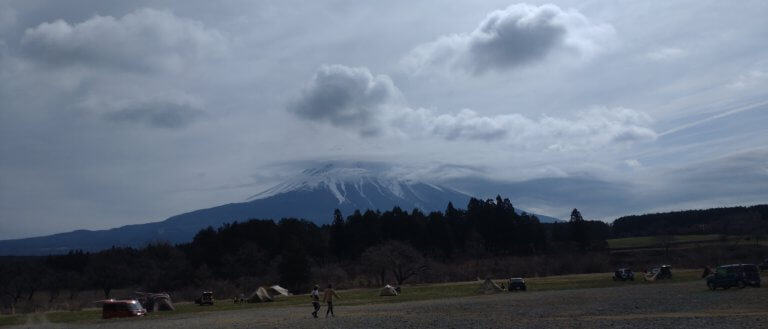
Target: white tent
(652, 274)
(259, 296)
(155, 301)
(278, 291)
(388, 291)
(489, 287)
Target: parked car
(121, 309)
(665, 272)
(517, 284)
(751, 274)
(623, 274)
(206, 298)
(734, 275)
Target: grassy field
(370, 296)
(9, 320)
(677, 240)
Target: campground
(588, 300)
(683, 241)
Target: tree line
(751, 220)
(394, 243)
(390, 246)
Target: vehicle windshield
(721, 271)
(750, 268)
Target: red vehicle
(121, 309)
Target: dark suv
(517, 284)
(736, 275)
(206, 298)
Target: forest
(726, 221)
(368, 248)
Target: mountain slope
(313, 195)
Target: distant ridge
(312, 195)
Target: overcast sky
(122, 112)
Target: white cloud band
(372, 105)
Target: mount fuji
(316, 192)
(311, 195)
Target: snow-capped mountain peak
(352, 184)
(313, 195)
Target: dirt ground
(669, 305)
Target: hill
(311, 195)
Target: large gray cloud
(354, 98)
(347, 97)
(125, 70)
(146, 39)
(746, 173)
(510, 37)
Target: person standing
(315, 295)
(328, 298)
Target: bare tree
(398, 258)
(666, 240)
(375, 264)
(13, 283)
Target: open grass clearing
(699, 314)
(680, 240)
(677, 303)
(417, 292)
(10, 320)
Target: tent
(278, 291)
(162, 304)
(652, 274)
(489, 287)
(388, 291)
(259, 296)
(155, 302)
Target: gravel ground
(671, 305)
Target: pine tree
(578, 230)
(338, 240)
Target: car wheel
(741, 285)
(711, 286)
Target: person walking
(315, 295)
(328, 298)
